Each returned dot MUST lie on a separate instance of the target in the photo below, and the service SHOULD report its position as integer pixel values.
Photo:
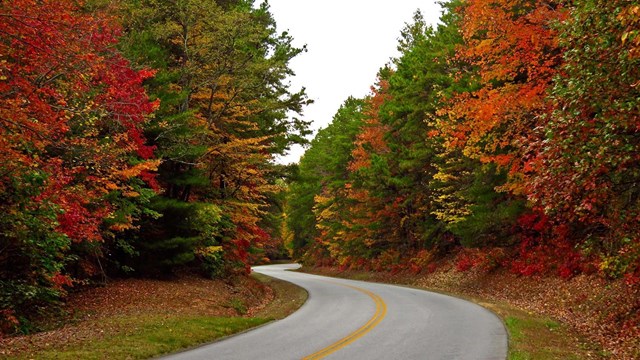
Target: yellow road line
(381, 312)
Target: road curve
(346, 319)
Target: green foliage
(188, 231)
(32, 252)
(492, 215)
(417, 89)
(21, 301)
(211, 260)
(323, 168)
(209, 221)
(225, 111)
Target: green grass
(143, 336)
(238, 306)
(534, 337)
(151, 336)
(514, 326)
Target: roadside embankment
(138, 319)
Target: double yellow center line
(381, 312)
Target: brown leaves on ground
(607, 312)
(188, 294)
(91, 310)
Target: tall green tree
(420, 83)
(322, 172)
(225, 112)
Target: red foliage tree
(71, 116)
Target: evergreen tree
(225, 104)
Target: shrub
(211, 259)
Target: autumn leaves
(136, 136)
(508, 134)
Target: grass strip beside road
(287, 298)
(152, 336)
(535, 337)
(144, 336)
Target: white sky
(348, 41)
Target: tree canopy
(506, 136)
(138, 136)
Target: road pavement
(355, 320)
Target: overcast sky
(348, 41)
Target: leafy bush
(211, 259)
(21, 302)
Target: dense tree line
(137, 136)
(507, 136)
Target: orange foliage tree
(513, 47)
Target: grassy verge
(145, 335)
(150, 336)
(531, 336)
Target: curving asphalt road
(346, 319)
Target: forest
(139, 137)
(506, 137)
(498, 157)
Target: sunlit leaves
(513, 46)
